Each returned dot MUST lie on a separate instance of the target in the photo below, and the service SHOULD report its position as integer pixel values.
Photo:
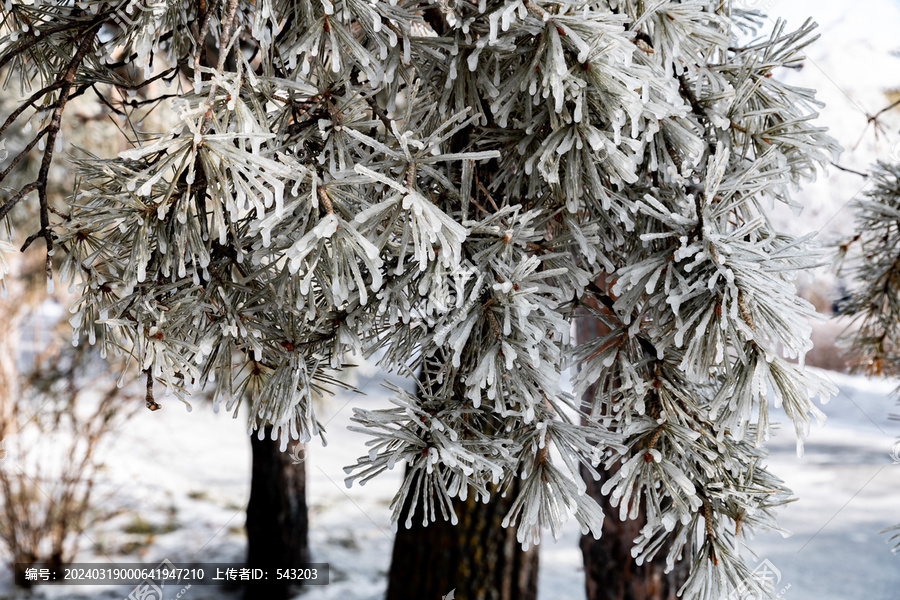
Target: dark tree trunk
(610, 572)
(277, 519)
(477, 558)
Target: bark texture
(277, 517)
(477, 558)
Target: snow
(846, 486)
(193, 470)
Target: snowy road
(848, 489)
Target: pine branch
(85, 42)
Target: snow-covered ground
(847, 486)
(189, 472)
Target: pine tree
(452, 179)
(609, 569)
(872, 258)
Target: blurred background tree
(59, 405)
(871, 258)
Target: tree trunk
(610, 572)
(277, 519)
(477, 558)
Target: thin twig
(10, 54)
(326, 200)
(68, 78)
(22, 154)
(883, 110)
(151, 403)
(9, 204)
(849, 170)
(31, 100)
(224, 51)
(379, 112)
(206, 11)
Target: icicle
(493, 22)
